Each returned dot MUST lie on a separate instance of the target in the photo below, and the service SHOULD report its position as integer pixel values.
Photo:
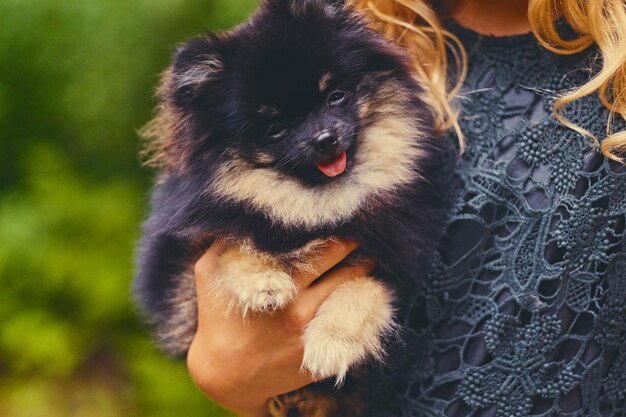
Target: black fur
(276, 61)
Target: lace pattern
(526, 300)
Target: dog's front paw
(252, 283)
(349, 327)
(265, 291)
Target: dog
(298, 125)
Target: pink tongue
(335, 167)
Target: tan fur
(264, 158)
(385, 160)
(325, 81)
(252, 282)
(200, 73)
(158, 133)
(302, 403)
(348, 328)
(302, 259)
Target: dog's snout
(326, 143)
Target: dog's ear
(196, 62)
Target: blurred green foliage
(76, 82)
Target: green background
(76, 83)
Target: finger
(203, 271)
(322, 288)
(207, 263)
(312, 297)
(334, 251)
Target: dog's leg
(348, 328)
(253, 281)
(306, 402)
(320, 400)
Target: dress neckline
(470, 37)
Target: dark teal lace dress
(524, 310)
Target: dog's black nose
(326, 143)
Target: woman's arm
(242, 363)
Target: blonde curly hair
(416, 25)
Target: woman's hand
(242, 363)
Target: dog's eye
(275, 132)
(183, 95)
(336, 97)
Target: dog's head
(304, 93)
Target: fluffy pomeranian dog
(296, 126)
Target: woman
(526, 302)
